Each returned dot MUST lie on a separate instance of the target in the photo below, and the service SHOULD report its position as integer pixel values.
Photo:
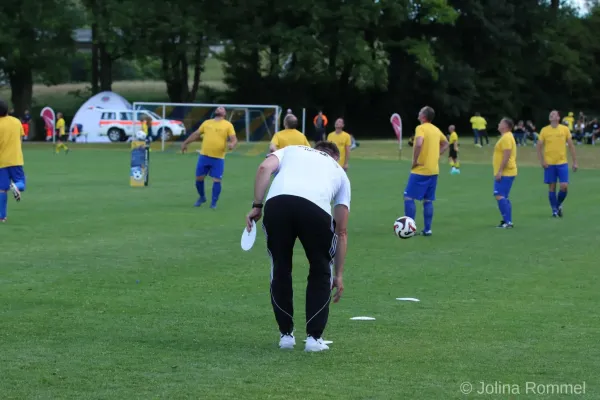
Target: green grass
(509, 306)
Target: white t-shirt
(311, 174)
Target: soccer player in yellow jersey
(290, 136)
(429, 144)
(218, 135)
(453, 153)
(479, 125)
(552, 153)
(343, 141)
(61, 135)
(569, 120)
(11, 159)
(504, 162)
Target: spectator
(25, 122)
(579, 131)
(519, 133)
(569, 121)
(531, 132)
(594, 130)
(320, 123)
(582, 117)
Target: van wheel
(165, 133)
(116, 135)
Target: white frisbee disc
(362, 319)
(407, 299)
(248, 238)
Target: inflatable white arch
(88, 115)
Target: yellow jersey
(478, 123)
(216, 133)
(506, 142)
(342, 140)
(570, 121)
(554, 140)
(11, 153)
(60, 127)
(430, 151)
(453, 138)
(145, 127)
(289, 137)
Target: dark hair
(329, 148)
(3, 108)
(509, 122)
(290, 121)
(429, 113)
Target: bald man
(218, 135)
(290, 136)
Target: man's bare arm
(573, 155)
(443, 147)
(263, 177)
(418, 145)
(540, 152)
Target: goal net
(173, 122)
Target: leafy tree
(35, 37)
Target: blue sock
(508, 211)
(216, 191)
(428, 214)
(553, 200)
(410, 209)
(561, 197)
(3, 204)
(503, 207)
(200, 189)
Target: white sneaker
(313, 344)
(16, 192)
(287, 341)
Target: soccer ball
(141, 135)
(405, 227)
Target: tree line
(363, 59)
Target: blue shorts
(555, 173)
(14, 174)
(421, 187)
(503, 186)
(213, 167)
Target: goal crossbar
(138, 105)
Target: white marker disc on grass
(362, 319)
(407, 299)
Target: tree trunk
(175, 73)
(343, 85)
(95, 64)
(554, 4)
(274, 60)
(105, 68)
(198, 63)
(21, 85)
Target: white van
(119, 125)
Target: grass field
(110, 292)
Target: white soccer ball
(405, 227)
(141, 135)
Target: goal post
(175, 121)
